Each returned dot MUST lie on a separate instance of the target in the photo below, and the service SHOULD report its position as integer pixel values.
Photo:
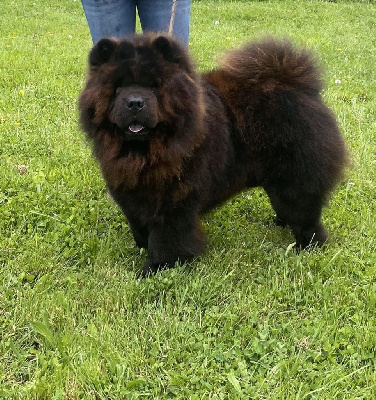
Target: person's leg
(156, 15)
(110, 18)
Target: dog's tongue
(135, 128)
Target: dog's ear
(102, 52)
(164, 46)
(172, 51)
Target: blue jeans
(117, 18)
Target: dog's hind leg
(301, 211)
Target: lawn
(247, 319)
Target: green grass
(248, 319)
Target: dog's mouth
(136, 128)
(136, 132)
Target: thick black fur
(173, 144)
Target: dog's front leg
(174, 238)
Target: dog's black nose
(135, 104)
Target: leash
(172, 19)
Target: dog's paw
(309, 239)
(151, 268)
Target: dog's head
(139, 88)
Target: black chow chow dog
(172, 143)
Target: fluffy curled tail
(273, 64)
(272, 91)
